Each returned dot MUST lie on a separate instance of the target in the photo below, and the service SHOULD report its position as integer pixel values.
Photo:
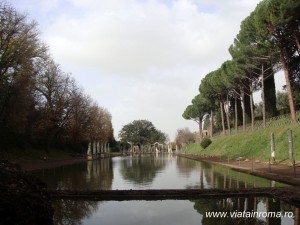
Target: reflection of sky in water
(145, 212)
(262, 207)
(168, 178)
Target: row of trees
(40, 105)
(268, 41)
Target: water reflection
(248, 211)
(73, 212)
(89, 175)
(176, 212)
(214, 176)
(141, 169)
(148, 172)
(99, 175)
(159, 172)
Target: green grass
(254, 144)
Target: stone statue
(89, 152)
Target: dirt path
(46, 164)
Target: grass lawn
(256, 144)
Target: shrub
(205, 143)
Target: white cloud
(141, 59)
(136, 37)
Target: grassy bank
(254, 144)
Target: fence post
(272, 147)
(294, 166)
(290, 137)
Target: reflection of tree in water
(186, 166)
(213, 176)
(100, 174)
(141, 169)
(70, 212)
(96, 174)
(221, 177)
(220, 205)
(239, 205)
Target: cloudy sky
(140, 59)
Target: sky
(139, 59)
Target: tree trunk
(251, 106)
(297, 41)
(222, 116)
(269, 92)
(200, 128)
(227, 114)
(211, 123)
(235, 114)
(263, 96)
(243, 107)
(288, 87)
(247, 103)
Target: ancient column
(98, 148)
(94, 148)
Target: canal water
(162, 172)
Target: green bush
(205, 143)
